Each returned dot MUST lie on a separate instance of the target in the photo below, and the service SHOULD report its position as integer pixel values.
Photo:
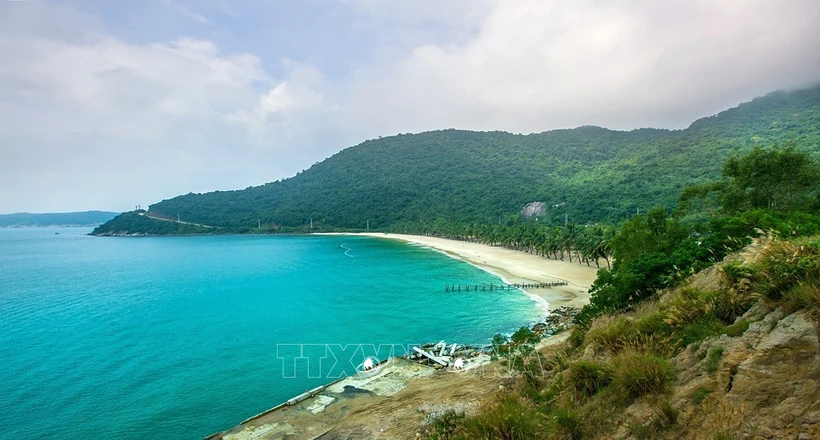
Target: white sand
(515, 267)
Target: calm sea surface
(180, 337)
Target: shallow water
(180, 337)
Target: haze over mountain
(584, 174)
(27, 219)
(112, 104)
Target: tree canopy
(587, 174)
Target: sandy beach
(515, 267)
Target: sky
(109, 104)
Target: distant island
(30, 220)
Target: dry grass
(637, 374)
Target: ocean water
(181, 337)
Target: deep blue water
(176, 337)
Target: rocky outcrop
(533, 209)
(765, 383)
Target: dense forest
(661, 343)
(25, 219)
(587, 174)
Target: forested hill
(25, 219)
(588, 173)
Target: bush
(664, 416)
(613, 336)
(698, 330)
(786, 265)
(566, 424)
(509, 417)
(713, 358)
(803, 296)
(700, 394)
(639, 374)
(737, 329)
(524, 336)
(576, 336)
(446, 425)
(588, 377)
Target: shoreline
(318, 411)
(511, 266)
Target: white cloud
(187, 12)
(90, 116)
(538, 64)
(286, 101)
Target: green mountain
(587, 174)
(25, 219)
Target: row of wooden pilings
(490, 287)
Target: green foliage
(713, 358)
(737, 329)
(408, 182)
(698, 330)
(700, 394)
(637, 374)
(446, 425)
(780, 179)
(589, 377)
(690, 316)
(664, 417)
(788, 268)
(500, 344)
(654, 251)
(577, 335)
(524, 335)
(614, 336)
(566, 424)
(509, 417)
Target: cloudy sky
(105, 105)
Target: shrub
(713, 358)
(802, 296)
(733, 302)
(638, 374)
(576, 337)
(785, 265)
(446, 425)
(700, 394)
(566, 424)
(698, 330)
(664, 417)
(737, 329)
(524, 336)
(613, 336)
(509, 417)
(734, 272)
(500, 345)
(588, 377)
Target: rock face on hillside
(764, 384)
(533, 209)
(767, 383)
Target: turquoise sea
(176, 337)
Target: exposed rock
(767, 384)
(533, 209)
